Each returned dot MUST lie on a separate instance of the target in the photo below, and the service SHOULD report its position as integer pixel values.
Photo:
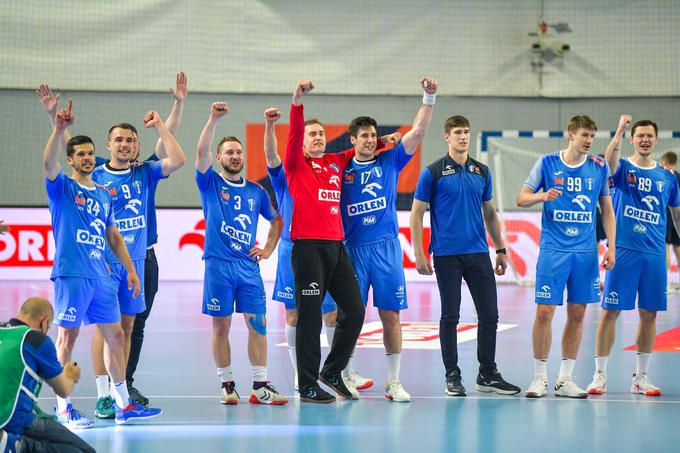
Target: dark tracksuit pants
(321, 266)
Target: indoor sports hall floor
(177, 373)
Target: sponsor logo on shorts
(399, 293)
(638, 228)
(313, 290)
(544, 292)
(571, 231)
(287, 293)
(69, 315)
(369, 220)
(596, 284)
(214, 304)
(329, 195)
(366, 206)
(95, 254)
(133, 223)
(85, 237)
(572, 216)
(612, 298)
(641, 215)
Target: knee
(544, 314)
(220, 328)
(67, 339)
(257, 324)
(647, 317)
(291, 318)
(116, 339)
(610, 316)
(576, 315)
(390, 319)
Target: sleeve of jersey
(294, 156)
(674, 199)
(45, 355)
(604, 190)
(99, 160)
(266, 209)
(56, 187)
(401, 157)
(619, 177)
(152, 158)
(155, 171)
(111, 218)
(488, 187)
(535, 179)
(203, 179)
(425, 186)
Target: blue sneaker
(133, 411)
(72, 418)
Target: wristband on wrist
(503, 251)
(428, 99)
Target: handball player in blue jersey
(368, 206)
(642, 192)
(458, 190)
(232, 206)
(569, 183)
(83, 223)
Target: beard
(233, 169)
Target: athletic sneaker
(642, 385)
(137, 397)
(315, 394)
(9, 442)
(454, 386)
(104, 407)
(494, 382)
(568, 389)
(267, 395)
(336, 383)
(133, 412)
(538, 388)
(229, 394)
(599, 384)
(395, 392)
(349, 383)
(72, 418)
(360, 382)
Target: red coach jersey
(314, 184)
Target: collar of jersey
(85, 187)
(559, 154)
(641, 168)
(449, 159)
(232, 183)
(364, 162)
(115, 171)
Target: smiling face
(122, 144)
(365, 142)
(82, 160)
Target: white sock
(120, 394)
(566, 369)
(541, 369)
(259, 373)
(330, 333)
(642, 362)
(348, 369)
(62, 403)
(601, 364)
(103, 388)
(225, 374)
(290, 341)
(393, 365)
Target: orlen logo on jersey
(27, 246)
(572, 216)
(287, 293)
(544, 292)
(313, 291)
(238, 235)
(366, 206)
(329, 195)
(334, 181)
(85, 237)
(133, 223)
(612, 298)
(582, 201)
(641, 215)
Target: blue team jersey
(80, 217)
(231, 212)
(456, 194)
(130, 191)
(640, 199)
(368, 201)
(277, 176)
(568, 223)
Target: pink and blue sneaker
(133, 412)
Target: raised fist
(151, 119)
(303, 87)
(429, 85)
(272, 115)
(624, 122)
(219, 109)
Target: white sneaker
(360, 382)
(599, 384)
(395, 392)
(538, 388)
(642, 385)
(349, 383)
(228, 394)
(295, 382)
(568, 388)
(267, 395)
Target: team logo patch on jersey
(377, 172)
(224, 195)
(659, 186)
(589, 183)
(631, 178)
(472, 168)
(334, 168)
(80, 200)
(348, 178)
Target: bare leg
(542, 332)
(220, 341)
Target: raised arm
(271, 116)
(415, 136)
(493, 226)
(175, 118)
(613, 152)
(296, 130)
(56, 142)
(118, 247)
(205, 141)
(303, 87)
(422, 258)
(175, 152)
(275, 228)
(51, 103)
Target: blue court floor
(177, 373)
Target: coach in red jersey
(320, 261)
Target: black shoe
(494, 382)
(336, 383)
(137, 397)
(454, 385)
(316, 394)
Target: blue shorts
(80, 300)
(128, 305)
(380, 265)
(622, 283)
(284, 288)
(229, 282)
(578, 271)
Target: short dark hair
(581, 122)
(361, 122)
(228, 138)
(313, 121)
(127, 126)
(77, 140)
(670, 158)
(643, 123)
(455, 121)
